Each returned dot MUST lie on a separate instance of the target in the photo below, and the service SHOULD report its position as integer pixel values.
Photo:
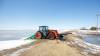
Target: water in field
(93, 39)
(14, 34)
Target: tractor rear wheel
(38, 35)
(51, 36)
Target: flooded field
(14, 34)
(93, 39)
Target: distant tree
(93, 28)
(83, 28)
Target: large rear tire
(51, 36)
(38, 35)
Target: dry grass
(52, 48)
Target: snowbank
(86, 48)
(89, 48)
(88, 32)
(13, 43)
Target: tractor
(45, 33)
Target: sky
(61, 14)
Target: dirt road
(51, 48)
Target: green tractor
(45, 33)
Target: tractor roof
(43, 26)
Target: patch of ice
(90, 48)
(17, 53)
(13, 43)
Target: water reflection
(93, 39)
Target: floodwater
(93, 39)
(14, 34)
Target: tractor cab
(45, 33)
(43, 30)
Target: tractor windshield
(43, 28)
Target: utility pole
(97, 23)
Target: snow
(89, 48)
(13, 43)
(63, 30)
(18, 52)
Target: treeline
(91, 28)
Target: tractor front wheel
(38, 35)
